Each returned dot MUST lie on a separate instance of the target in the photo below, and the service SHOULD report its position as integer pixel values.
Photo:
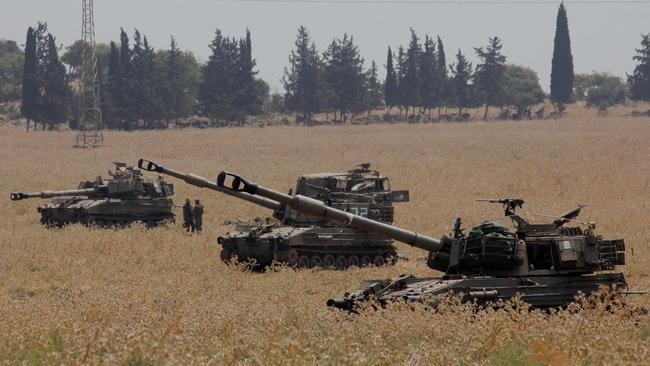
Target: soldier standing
(188, 219)
(198, 215)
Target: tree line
(146, 88)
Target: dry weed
(162, 297)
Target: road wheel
(365, 261)
(328, 261)
(303, 262)
(391, 258)
(353, 261)
(100, 224)
(293, 258)
(341, 263)
(379, 261)
(316, 261)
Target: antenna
(90, 126)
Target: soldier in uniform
(188, 216)
(198, 216)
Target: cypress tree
(390, 87)
(55, 107)
(443, 79)
(123, 96)
(247, 101)
(640, 79)
(489, 73)
(401, 99)
(110, 93)
(30, 82)
(562, 63)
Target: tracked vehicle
(547, 264)
(301, 240)
(124, 198)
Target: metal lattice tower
(90, 114)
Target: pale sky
(603, 35)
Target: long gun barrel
(17, 196)
(236, 184)
(201, 182)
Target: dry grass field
(138, 297)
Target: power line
(443, 2)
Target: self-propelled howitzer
(124, 198)
(302, 240)
(548, 265)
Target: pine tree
(302, 83)
(562, 63)
(461, 76)
(110, 94)
(344, 74)
(444, 93)
(640, 79)
(390, 87)
(412, 74)
(373, 89)
(30, 83)
(219, 86)
(124, 93)
(489, 73)
(429, 83)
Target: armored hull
(300, 240)
(107, 212)
(304, 241)
(538, 292)
(546, 264)
(124, 198)
(307, 247)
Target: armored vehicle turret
(303, 240)
(548, 265)
(124, 198)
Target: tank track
(109, 223)
(339, 259)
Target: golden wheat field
(159, 297)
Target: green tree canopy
(605, 90)
(303, 85)
(390, 86)
(12, 61)
(640, 79)
(461, 72)
(521, 89)
(489, 73)
(345, 75)
(411, 80)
